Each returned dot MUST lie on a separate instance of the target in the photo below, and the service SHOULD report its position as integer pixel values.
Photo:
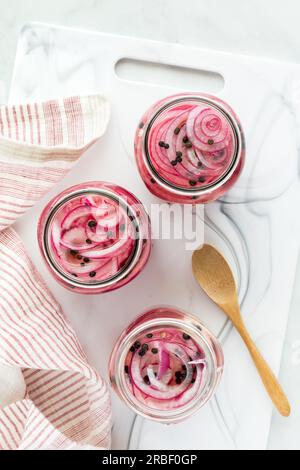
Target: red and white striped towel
(67, 404)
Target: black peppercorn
(92, 224)
(186, 337)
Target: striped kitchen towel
(66, 404)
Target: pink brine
(95, 237)
(189, 148)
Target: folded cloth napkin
(12, 385)
(66, 403)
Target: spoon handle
(270, 382)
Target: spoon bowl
(214, 274)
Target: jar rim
(238, 136)
(136, 251)
(175, 415)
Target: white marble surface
(249, 225)
(268, 28)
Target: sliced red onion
(75, 239)
(56, 238)
(166, 369)
(164, 362)
(139, 382)
(71, 266)
(110, 222)
(92, 238)
(112, 251)
(82, 211)
(191, 145)
(161, 156)
(88, 201)
(208, 129)
(160, 385)
(98, 235)
(109, 269)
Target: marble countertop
(266, 29)
(249, 27)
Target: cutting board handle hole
(155, 73)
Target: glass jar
(95, 237)
(166, 365)
(190, 148)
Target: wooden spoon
(215, 277)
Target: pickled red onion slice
(164, 362)
(208, 130)
(191, 145)
(113, 250)
(82, 212)
(74, 239)
(166, 369)
(83, 271)
(92, 238)
(99, 235)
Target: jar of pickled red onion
(190, 148)
(95, 237)
(166, 365)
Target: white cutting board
(255, 225)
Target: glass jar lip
(136, 252)
(239, 144)
(175, 415)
